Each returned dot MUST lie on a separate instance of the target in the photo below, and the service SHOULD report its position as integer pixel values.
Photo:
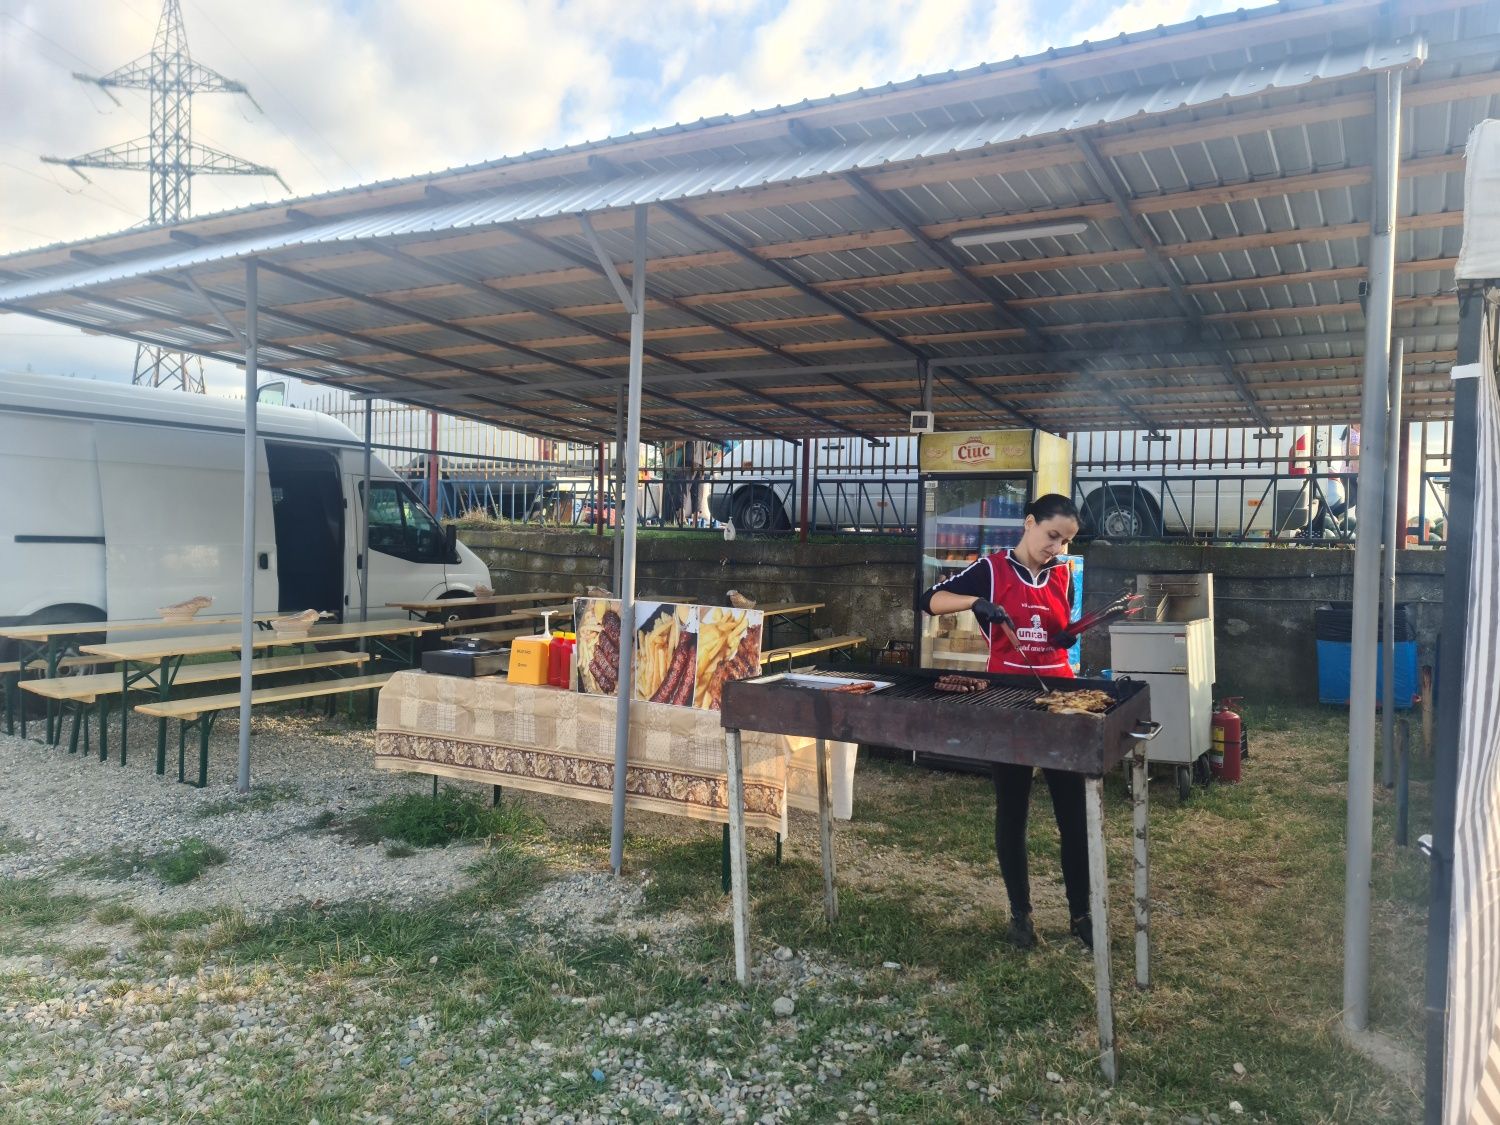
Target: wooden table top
(160, 648)
(489, 599)
(73, 628)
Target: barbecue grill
(1002, 723)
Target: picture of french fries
(664, 653)
(728, 649)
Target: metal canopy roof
(802, 265)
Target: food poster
(666, 648)
(597, 623)
(728, 649)
(1075, 576)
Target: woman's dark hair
(1043, 508)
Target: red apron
(1039, 607)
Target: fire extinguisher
(1228, 741)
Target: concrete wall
(1264, 597)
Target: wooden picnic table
(441, 605)
(51, 643)
(160, 657)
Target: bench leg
(161, 747)
(205, 724)
(84, 715)
(104, 728)
(182, 751)
(12, 689)
(80, 718)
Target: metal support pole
(247, 572)
(1403, 475)
(739, 881)
(599, 492)
(806, 487)
(1093, 798)
(635, 302)
(619, 543)
(1140, 793)
(432, 466)
(825, 835)
(364, 534)
(1361, 798)
(924, 376)
(1388, 582)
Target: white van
(121, 499)
(1223, 482)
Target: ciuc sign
(974, 450)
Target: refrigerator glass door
(964, 518)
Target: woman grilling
(1023, 597)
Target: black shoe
(1021, 933)
(1083, 930)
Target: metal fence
(1295, 486)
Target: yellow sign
(976, 451)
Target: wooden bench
(10, 676)
(81, 692)
(839, 645)
(201, 711)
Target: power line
(290, 104)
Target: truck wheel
(759, 509)
(1184, 782)
(1120, 513)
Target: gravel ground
(98, 1022)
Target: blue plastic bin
(1333, 625)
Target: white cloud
(358, 90)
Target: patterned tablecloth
(563, 743)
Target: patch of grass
(322, 822)
(113, 914)
(174, 865)
(10, 843)
(399, 851)
(80, 958)
(423, 821)
(257, 800)
(32, 902)
(502, 876)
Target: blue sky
(358, 90)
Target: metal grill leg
(1099, 909)
(825, 835)
(1139, 798)
(738, 876)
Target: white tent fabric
(1479, 260)
(1472, 1079)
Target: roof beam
(713, 232)
(485, 338)
(398, 310)
(672, 303)
(478, 287)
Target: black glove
(1063, 638)
(987, 613)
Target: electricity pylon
(170, 155)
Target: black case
(467, 658)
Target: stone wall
(1264, 597)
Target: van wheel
(1120, 513)
(759, 509)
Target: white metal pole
(1388, 559)
(1093, 789)
(1361, 804)
(247, 564)
(627, 550)
(617, 543)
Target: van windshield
(401, 526)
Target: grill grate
(996, 697)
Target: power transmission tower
(170, 155)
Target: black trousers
(1012, 804)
